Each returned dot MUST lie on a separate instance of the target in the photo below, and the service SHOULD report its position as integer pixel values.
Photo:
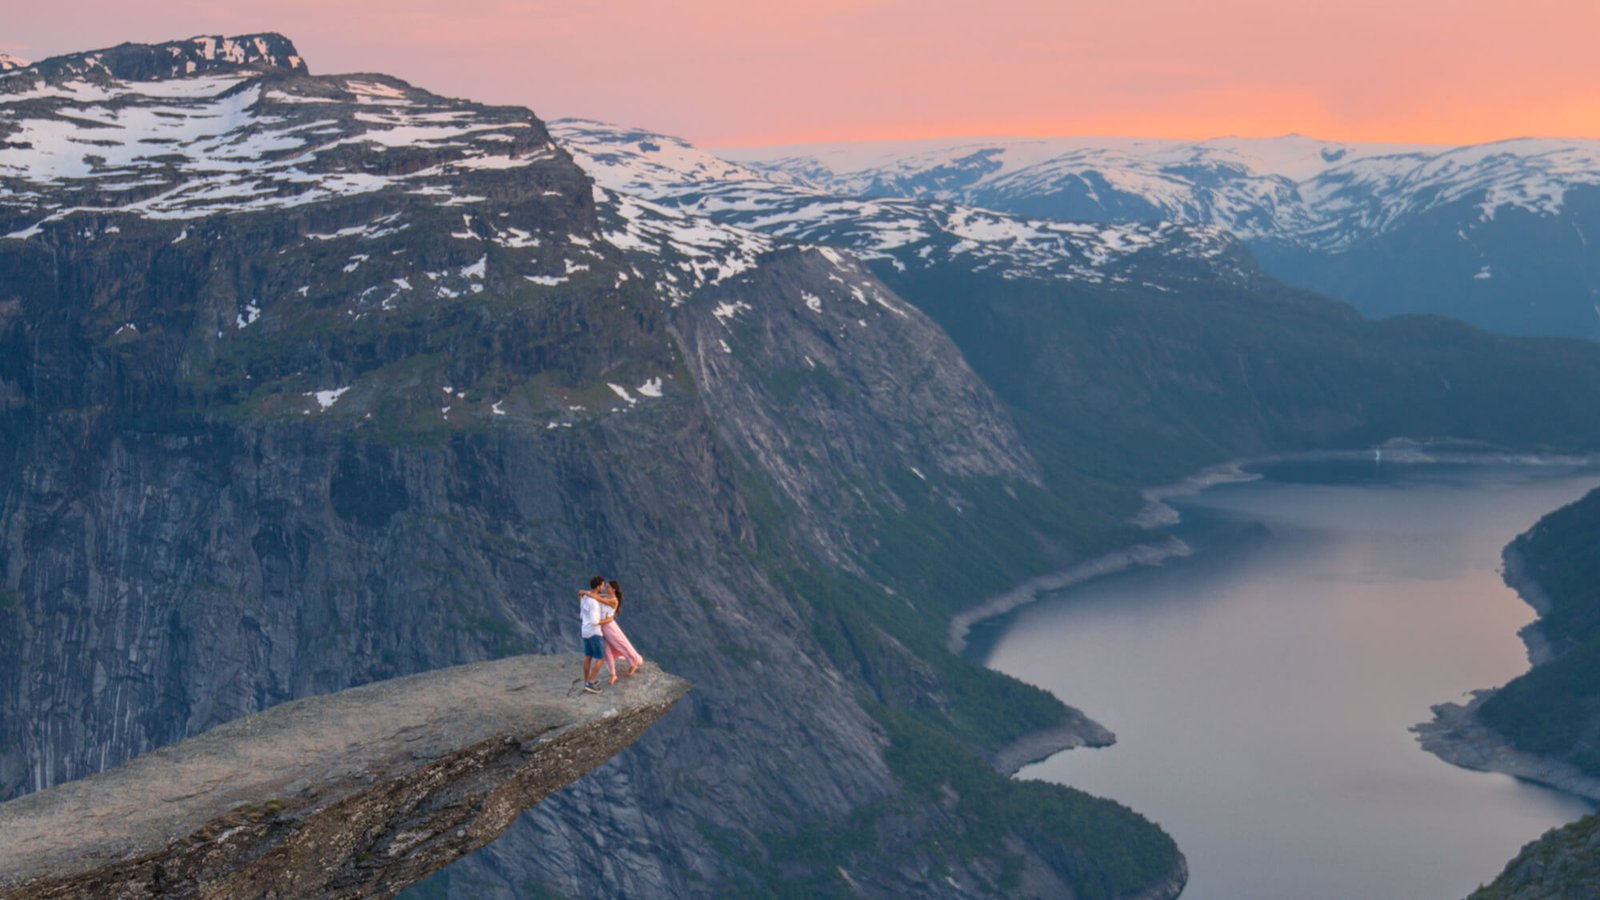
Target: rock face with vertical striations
(310, 381)
(358, 793)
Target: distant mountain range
(910, 232)
(312, 380)
(308, 381)
(1495, 234)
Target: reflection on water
(1261, 692)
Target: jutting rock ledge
(354, 794)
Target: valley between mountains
(308, 381)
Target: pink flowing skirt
(618, 647)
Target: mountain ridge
(1018, 167)
(144, 62)
(381, 409)
(378, 406)
(908, 233)
(1495, 234)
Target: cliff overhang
(358, 793)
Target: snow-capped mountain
(9, 62)
(1320, 194)
(307, 381)
(318, 380)
(658, 174)
(1495, 233)
(213, 125)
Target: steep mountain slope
(1554, 709)
(310, 381)
(1161, 349)
(1495, 234)
(1552, 712)
(1564, 863)
(307, 382)
(1137, 380)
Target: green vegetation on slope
(1123, 386)
(1105, 849)
(1554, 709)
(1116, 388)
(1564, 863)
(955, 807)
(940, 711)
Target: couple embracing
(603, 640)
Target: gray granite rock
(357, 793)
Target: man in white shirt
(594, 646)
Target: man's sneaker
(591, 687)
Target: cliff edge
(357, 793)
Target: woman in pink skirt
(617, 643)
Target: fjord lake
(1262, 690)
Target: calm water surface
(1261, 692)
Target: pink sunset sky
(723, 72)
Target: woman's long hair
(616, 591)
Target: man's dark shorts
(594, 647)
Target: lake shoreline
(1514, 571)
(1033, 589)
(1456, 734)
(1449, 742)
(1037, 746)
(1156, 513)
(1272, 634)
(1080, 730)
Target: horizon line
(1093, 136)
(1062, 136)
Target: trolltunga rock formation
(358, 793)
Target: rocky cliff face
(357, 793)
(1144, 351)
(308, 382)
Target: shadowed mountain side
(360, 792)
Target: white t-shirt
(590, 607)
